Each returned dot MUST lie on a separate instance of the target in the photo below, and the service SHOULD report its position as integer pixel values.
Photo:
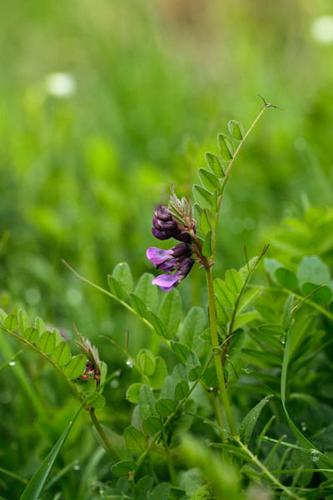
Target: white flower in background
(322, 29)
(61, 85)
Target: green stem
(266, 471)
(78, 395)
(227, 174)
(102, 434)
(217, 351)
(13, 475)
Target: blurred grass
(155, 83)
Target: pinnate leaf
(247, 425)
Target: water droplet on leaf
(315, 455)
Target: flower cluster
(177, 261)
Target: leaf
(46, 342)
(121, 280)
(152, 425)
(135, 439)
(193, 325)
(320, 294)
(22, 320)
(280, 274)
(313, 270)
(209, 180)
(139, 306)
(133, 393)
(234, 280)
(286, 278)
(122, 273)
(161, 492)
(160, 373)
(171, 312)
(11, 322)
(181, 390)
(207, 245)
(181, 351)
(157, 323)
(235, 129)
(203, 197)
(248, 423)
(224, 294)
(123, 467)
(36, 484)
(62, 354)
(205, 221)
(225, 147)
(215, 165)
(40, 325)
(262, 358)
(166, 406)
(145, 362)
(31, 334)
(76, 366)
(245, 318)
(147, 292)
(146, 402)
(103, 372)
(248, 297)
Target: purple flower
(177, 262)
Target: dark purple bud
(186, 266)
(184, 236)
(162, 212)
(164, 225)
(180, 250)
(161, 235)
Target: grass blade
(38, 480)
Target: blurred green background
(104, 105)
(85, 155)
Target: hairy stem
(265, 471)
(101, 432)
(217, 351)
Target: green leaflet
(147, 292)
(248, 423)
(170, 312)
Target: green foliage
(36, 484)
(81, 175)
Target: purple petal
(181, 250)
(157, 256)
(185, 267)
(161, 235)
(166, 281)
(169, 265)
